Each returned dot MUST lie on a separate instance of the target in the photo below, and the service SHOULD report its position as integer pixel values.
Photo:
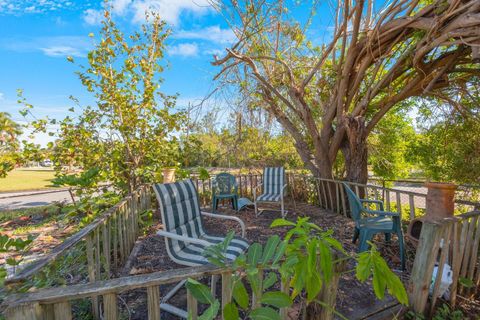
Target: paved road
(29, 199)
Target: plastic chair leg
(388, 237)
(214, 204)
(356, 233)
(402, 248)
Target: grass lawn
(27, 179)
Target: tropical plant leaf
(199, 291)
(264, 313)
(276, 299)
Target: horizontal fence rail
(57, 303)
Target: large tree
(330, 97)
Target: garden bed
(354, 300)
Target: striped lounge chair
(185, 237)
(273, 188)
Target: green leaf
(313, 286)
(264, 313)
(281, 223)
(269, 249)
(254, 254)
(240, 294)
(199, 291)
(276, 299)
(230, 312)
(326, 261)
(280, 252)
(269, 280)
(211, 312)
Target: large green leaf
(281, 223)
(240, 294)
(254, 254)
(230, 312)
(276, 299)
(269, 249)
(264, 313)
(199, 291)
(211, 312)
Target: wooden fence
(454, 242)
(106, 242)
(330, 194)
(56, 303)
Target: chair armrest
(383, 213)
(378, 202)
(221, 216)
(175, 236)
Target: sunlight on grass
(27, 179)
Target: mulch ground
(355, 300)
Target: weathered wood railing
(105, 243)
(56, 303)
(330, 194)
(454, 241)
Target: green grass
(27, 179)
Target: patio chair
(273, 188)
(370, 222)
(224, 186)
(185, 237)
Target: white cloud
(184, 50)
(212, 33)
(2, 96)
(120, 6)
(169, 10)
(62, 51)
(32, 6)
(92, 17)
(59, 46)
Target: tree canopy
(332, 96)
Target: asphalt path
(30, 199)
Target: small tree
(123, 137)
(9, 132)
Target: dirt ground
(355, 300)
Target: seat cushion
(191, 254)
(377, 223)
(269, 197)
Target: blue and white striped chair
(185, 237)
(273, 188)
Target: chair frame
(282, 196)
(170, 235)
(232, 196)
(366, 234)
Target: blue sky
(36, 36)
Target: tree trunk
(356, 151)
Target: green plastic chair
(224, 186)
(370, 222)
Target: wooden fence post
(31, 311)
(425, 259)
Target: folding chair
(185, 237)
(273, 188)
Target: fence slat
(399, 202)
(31, 311)
(226, 289)
(423, 265)
(110, 306)
(192, 306)
(411, 203)
(153, 301)
(443, 259)
(62, 310)
(92, 273)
